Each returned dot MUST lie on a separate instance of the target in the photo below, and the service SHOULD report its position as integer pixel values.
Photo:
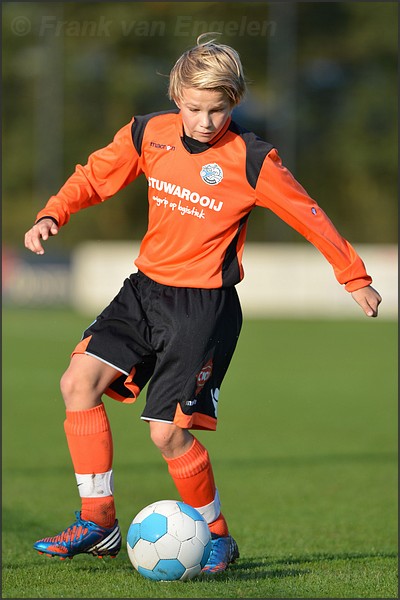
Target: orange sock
(90, 444)
(194, 479)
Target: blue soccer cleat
(224, 551)
(82, 537)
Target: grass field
(305, 459)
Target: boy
(176, 321)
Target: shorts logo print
(204, 376)
(214, 398)
(191, 402)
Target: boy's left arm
(279, 191)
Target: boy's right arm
(107, 171)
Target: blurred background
(322, 88)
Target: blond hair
(208, 66)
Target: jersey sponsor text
(185, 194)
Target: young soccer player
(176, 321)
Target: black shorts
(180, 340)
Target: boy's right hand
(42, 230)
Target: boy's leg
(89, 436)
(190, 468)
(193, 476)
(89, 440)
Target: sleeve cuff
(47, 217)
(357, 284)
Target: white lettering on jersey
(184, 194)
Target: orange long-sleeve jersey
(199, 202)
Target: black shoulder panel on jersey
(256, 151)
(139, 125)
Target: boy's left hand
(369, 300)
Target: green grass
(305, 459)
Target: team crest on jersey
(211, 174)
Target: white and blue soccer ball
(169, 541)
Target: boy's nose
(206, 120)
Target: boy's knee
(66, 384)
(169, 438)
(161, 436)
(75, 388)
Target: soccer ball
(169, 540)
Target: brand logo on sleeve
(212, 174)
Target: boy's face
(204, 112)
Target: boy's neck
(193, 145)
